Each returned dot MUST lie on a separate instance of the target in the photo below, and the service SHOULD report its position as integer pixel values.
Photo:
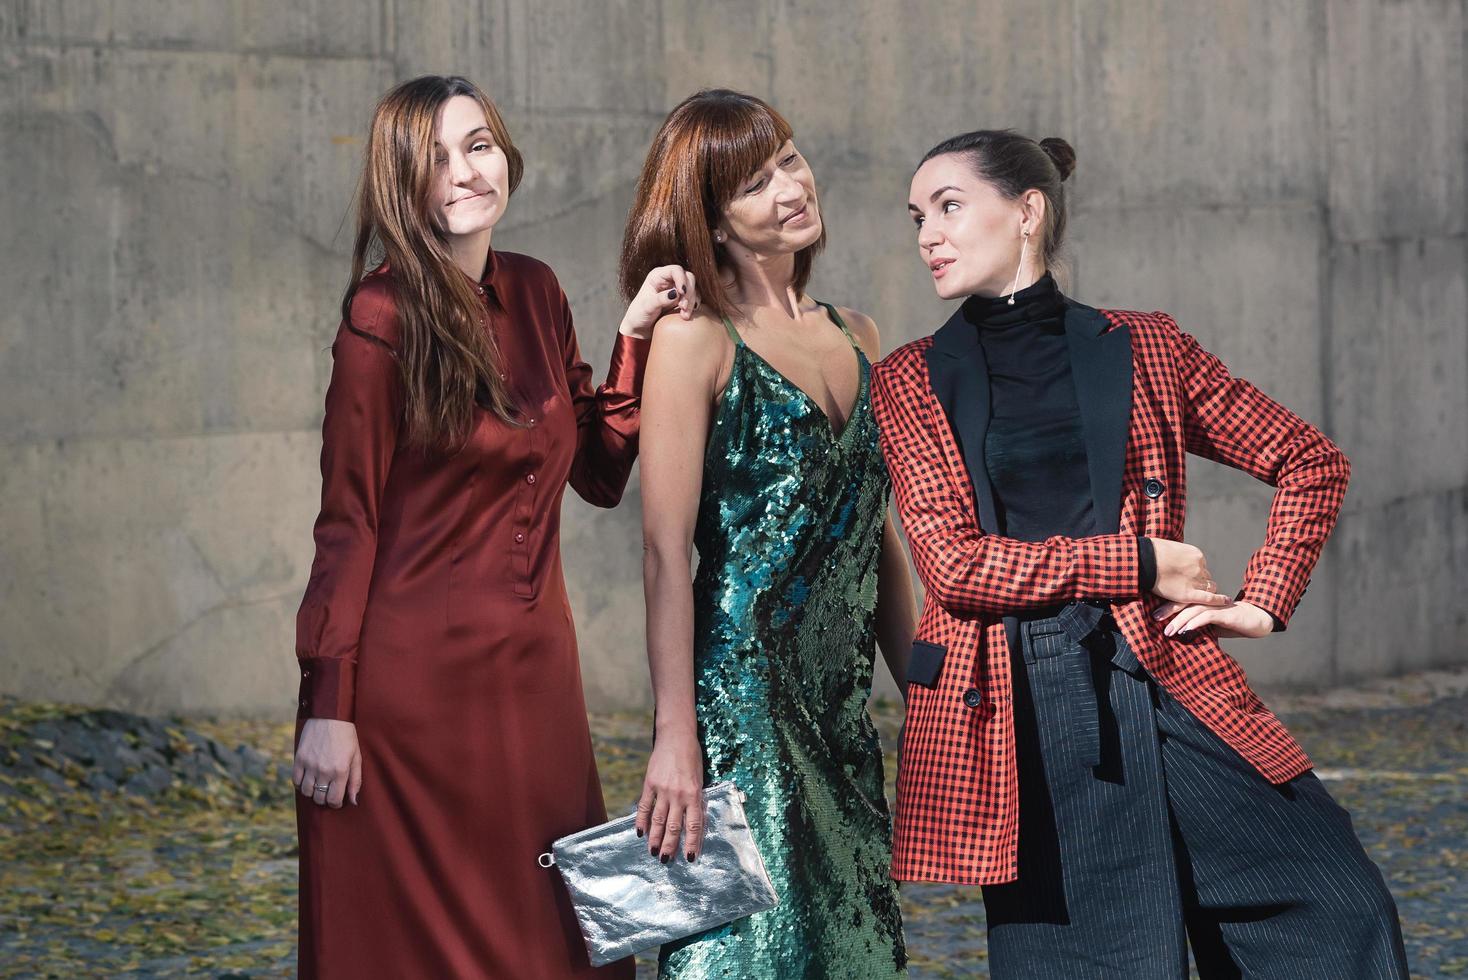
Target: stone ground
(138, 848)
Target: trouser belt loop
(1083, 623)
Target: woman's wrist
(680, 725)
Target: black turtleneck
(1035, 449)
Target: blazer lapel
(960, 379)
(1101, 364)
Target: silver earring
(719, 237)
(1014, 286)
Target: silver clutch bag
(627, 900)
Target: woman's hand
(1183, 577)
(1237, 619)
(666, 288)
(672, 797)
(328, 762)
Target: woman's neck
(761, 281)
(1027, 278)
(471, 252)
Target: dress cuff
(328, 688)
(629, 362)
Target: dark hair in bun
(1013, 164)
(1061, 153)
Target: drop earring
(1014, 286)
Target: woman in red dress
(442, 735)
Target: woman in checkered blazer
(1076, 741)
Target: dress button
(305, 672)
(519, 538)
(530, 478)
(303, 702)
(1153, 488)
(972, 697)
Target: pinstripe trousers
(1142, 832)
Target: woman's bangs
(738, 144)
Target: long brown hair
(705, 151)
(447, 354)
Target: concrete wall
(1288, 179)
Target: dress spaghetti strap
(733, 334)
(831, 312)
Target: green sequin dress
(789, 533)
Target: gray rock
(100, 781)
(111, 751)
(51, 778)
(150, 782)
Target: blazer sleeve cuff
(1268, 604)
(1113, 564)
(1146, 565)
(328, 688)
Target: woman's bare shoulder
(700, 336)
(864, 329)
(696, 352)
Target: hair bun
(1061, 153)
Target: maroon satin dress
(436, 619)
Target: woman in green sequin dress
(762, 661)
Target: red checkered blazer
(1148, 394)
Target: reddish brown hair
(447, 354)
(700, 159)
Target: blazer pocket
(926, 663)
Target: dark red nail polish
(639, 833)
(672, 294)
(652, 851)
(690, 857)
(664, 859)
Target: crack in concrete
(122, 672)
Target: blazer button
(530, 478)
(303, 702)
(972, 697)
(305, 671)
(519, 538)
(1153, 488)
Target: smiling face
(969, 235)
(470, 171)
(775, 211)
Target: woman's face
(776, 210)
(969, 235)
(470, 171)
